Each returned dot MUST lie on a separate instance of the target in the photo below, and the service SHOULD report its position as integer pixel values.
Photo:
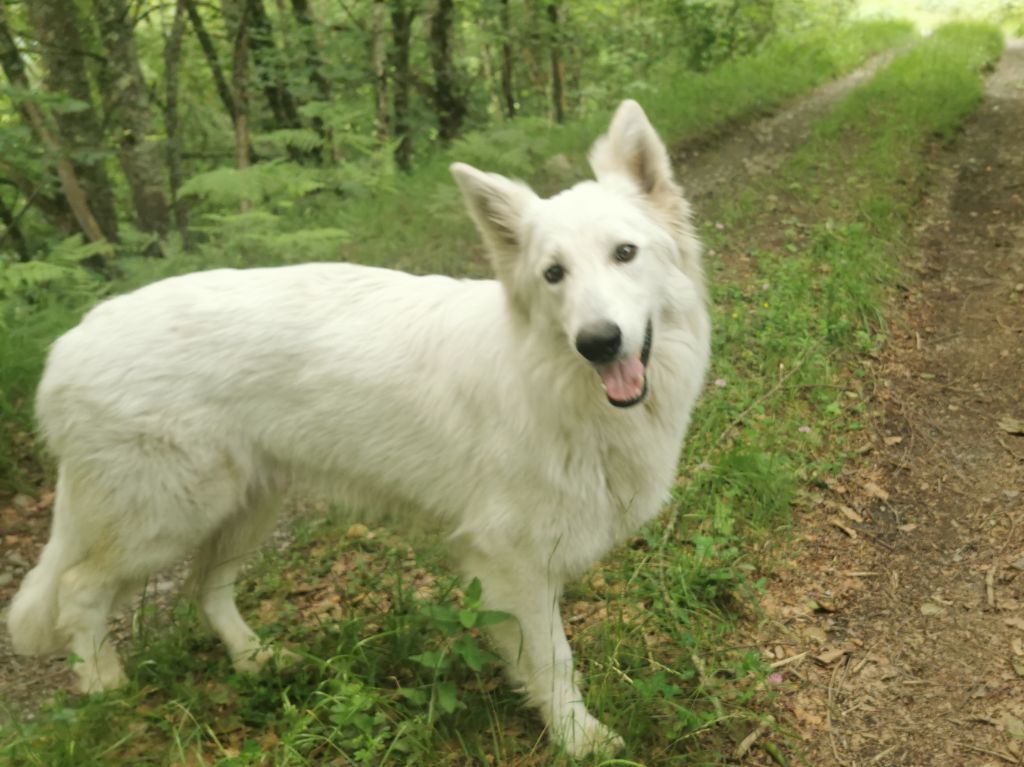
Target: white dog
(536, 419)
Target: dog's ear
(496, 205)
(631, 155)
(632, 150)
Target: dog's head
(597, 264)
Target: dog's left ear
(632, 150)
(496, 205)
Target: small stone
(23, 502)
(16, 559)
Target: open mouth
(625, 381)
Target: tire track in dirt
(732, 162)
(914, 629)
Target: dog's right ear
(496, 205)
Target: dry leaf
(831, 655)
(848, 530)
(875, 491)
(1017, 623)
(1013, 726)
(815, 634)
(1017, 646)
(850, 514)
(1011, 425)
(928, 608)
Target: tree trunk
(265, 56)
(74, 194)
(127, 105)
(449, 99)
(557, 67)
(300, 9)
(56, 24)
(507, 88)
(378, 60)
(402, 16)
(53, 207)
(240, 82)
(172, 58)
(212, 61)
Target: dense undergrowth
(799, 265)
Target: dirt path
(912, 618)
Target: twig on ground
(988, 752)
(745, 744)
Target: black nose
(599, 342)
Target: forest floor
(896, 617)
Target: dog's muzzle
(625, 380)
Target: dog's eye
(554, 273)
(625, 253)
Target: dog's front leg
(534, 646)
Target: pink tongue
(624, 380)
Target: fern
(280, 141)
(278, 181)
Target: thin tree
(54, 207)
(172, 60)
(56, 25)
(267, 65)
(402, 15)
(304, 16)
(447, 93)
(212, 61)
(127, 106)
(557, 67)
(507, 88)
(240, 84)
(379, 63)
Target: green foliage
(460, 646)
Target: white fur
(181, 412)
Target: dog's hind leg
(215, 569)
(534, 646)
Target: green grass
(798, 270)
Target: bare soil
(897, 626)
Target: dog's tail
(32, 618)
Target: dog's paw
(93, 679)
(582, 735)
